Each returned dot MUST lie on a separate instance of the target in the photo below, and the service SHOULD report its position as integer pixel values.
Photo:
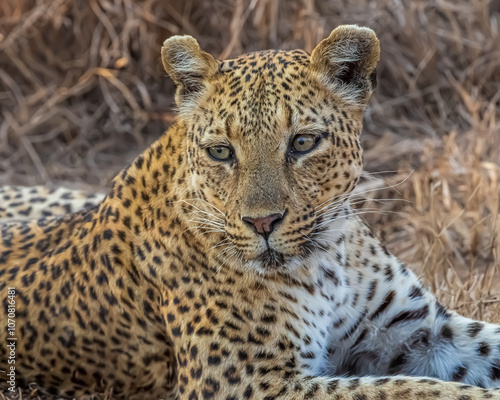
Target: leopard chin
(272, 259)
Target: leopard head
(272, 141)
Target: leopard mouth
(272, 259)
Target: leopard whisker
(207, 222)
(369, 211)
(220, 244)
(204, 212)
(204, 230)
(341, 198)
(205, 201)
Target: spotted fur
(21, 203)
(166, 290)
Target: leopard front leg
(245, 376)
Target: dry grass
(82, 91)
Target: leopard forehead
(258, 90)
(255, 82)
(268, 95)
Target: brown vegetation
(82, 91)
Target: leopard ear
(346, 61)
(188, 66)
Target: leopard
(226, 261)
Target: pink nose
(264, 226)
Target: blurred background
(83, 91)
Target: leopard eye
(304, 143)
(220, 153)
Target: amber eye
(220, 153)
(304, 143)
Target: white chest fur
(316, 294)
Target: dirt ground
(82, 91)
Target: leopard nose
(264, 226)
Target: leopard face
(273, 140)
